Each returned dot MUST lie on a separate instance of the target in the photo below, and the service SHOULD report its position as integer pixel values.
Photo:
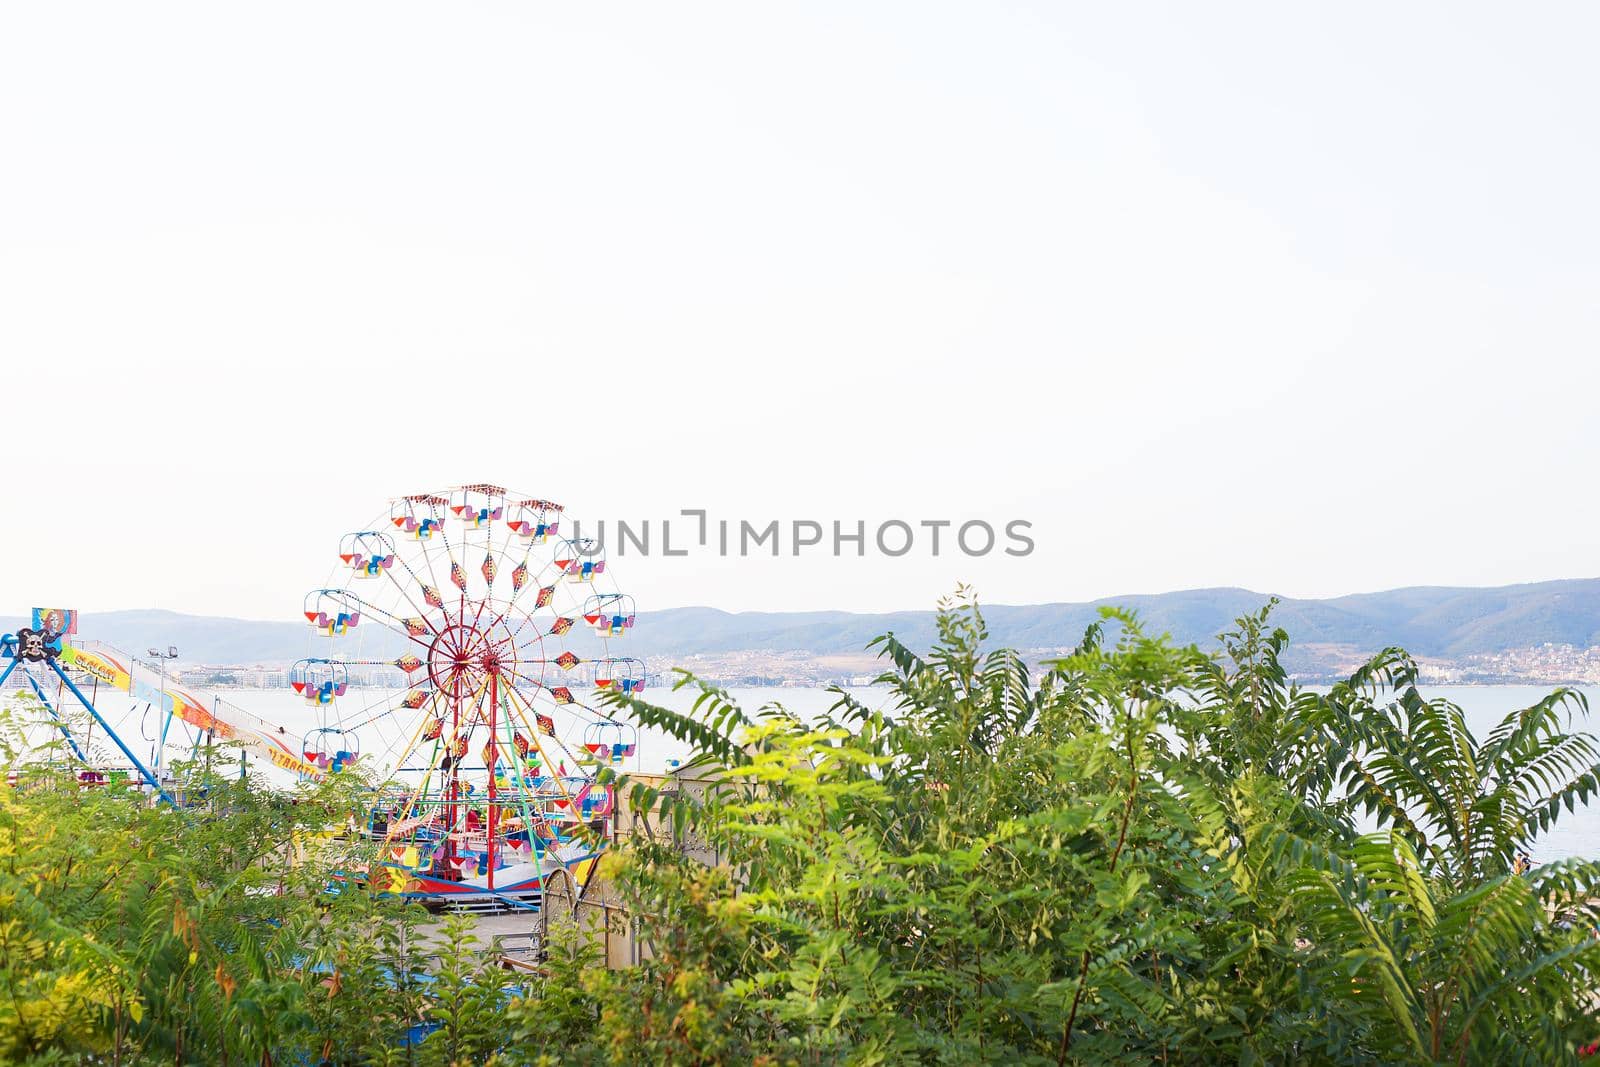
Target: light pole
(161, 657)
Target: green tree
(1139, 854)
(467, 996)
(1146, 854)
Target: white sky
(1254, 295)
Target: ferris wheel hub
(464, 655)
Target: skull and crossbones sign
(36, 645)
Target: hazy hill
(1428, 620)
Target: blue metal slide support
(144, 772)
(60, 725)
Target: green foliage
(1143, 855)
(468, 995)
(1136, 854)
(132, 933)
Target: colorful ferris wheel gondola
(580, 559)
(611, 614)
(624, 674)
(331, 748)
(331, 612)
(478, 505)
(368, 553)
(319, 681)
(610, 741)
(419, 516)
(535, 520)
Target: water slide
(224, 721)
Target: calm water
(1577, 834)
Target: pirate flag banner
(36, 645)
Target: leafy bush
(1143, 855)
(1138, 854)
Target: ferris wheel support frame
(494, 757)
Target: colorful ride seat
(333, 624)
(420, 529)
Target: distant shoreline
(1545, 633)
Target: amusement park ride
(482, 635)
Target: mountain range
(1439, 621)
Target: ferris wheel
(458, 648)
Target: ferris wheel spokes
(333, 612)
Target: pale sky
(1300, 299)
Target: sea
(1577, 833)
